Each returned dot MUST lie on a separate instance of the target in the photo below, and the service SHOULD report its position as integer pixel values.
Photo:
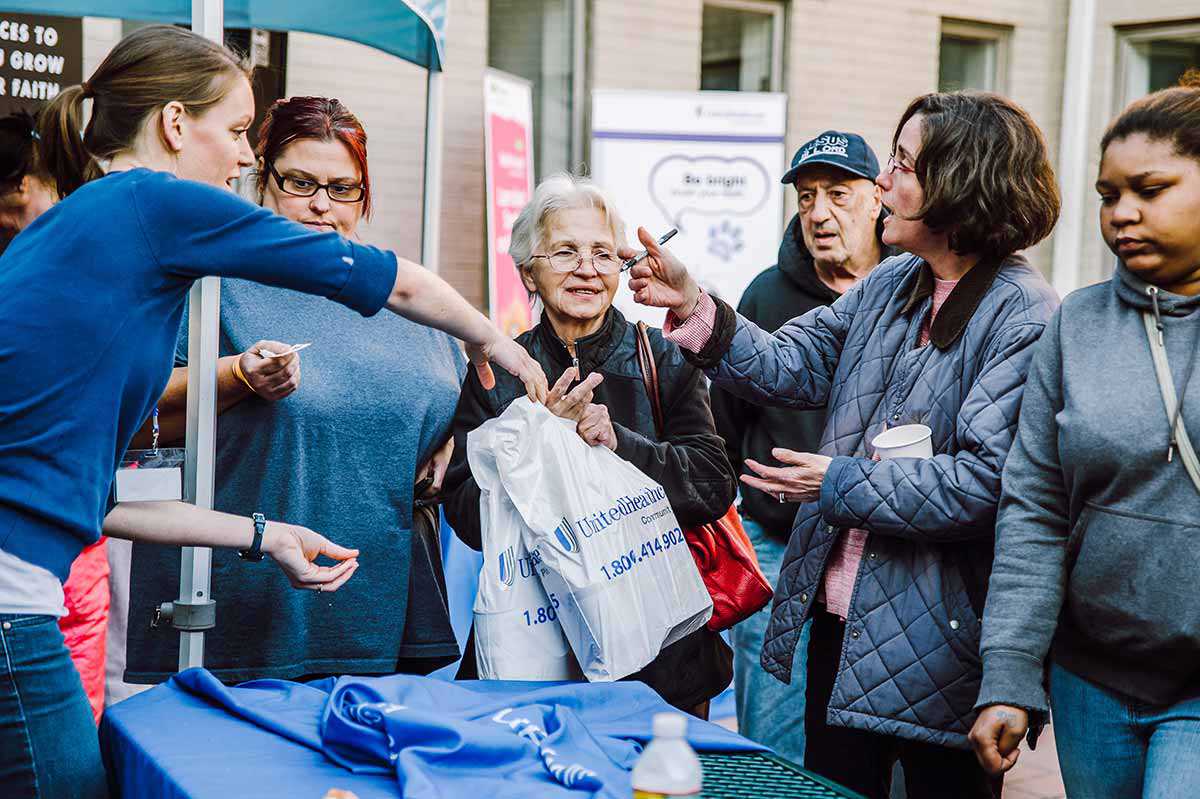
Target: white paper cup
(905, 441)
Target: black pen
(665, 238)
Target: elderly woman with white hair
(565, 245)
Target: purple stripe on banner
(646, 136)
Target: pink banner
(509, 182)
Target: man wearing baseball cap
(831, 243)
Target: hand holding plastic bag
(611, 549)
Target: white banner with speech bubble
(707, 163)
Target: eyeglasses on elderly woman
(568, 260)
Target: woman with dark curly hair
(889, 559)
(1096, 553)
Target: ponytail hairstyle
(147, 69)
(1171, 115)
(20, 151)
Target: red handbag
(722, 550)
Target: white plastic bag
(614, 554)
(517, 635)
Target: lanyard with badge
(156, 474)
(149, 475)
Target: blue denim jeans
(1111, 746)
(768, 711)
(48, 742)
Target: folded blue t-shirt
(91, 296)
(477, 740)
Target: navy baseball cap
(846, 151)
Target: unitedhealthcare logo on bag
(508, 567)
(566, 536)
(588, 525)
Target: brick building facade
(853, 64)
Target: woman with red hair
(341, 453)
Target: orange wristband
(237, 372)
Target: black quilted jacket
(910, 666)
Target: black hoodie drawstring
(1187, 378)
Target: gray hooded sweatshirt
(1098, 535)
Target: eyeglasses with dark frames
(306, 187)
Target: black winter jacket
(689, 462)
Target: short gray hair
(559, 192)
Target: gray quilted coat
(910, 664)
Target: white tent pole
(1073, 147)
(432, 209)
(204, 303)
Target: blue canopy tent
(410, 29)
(413, 30)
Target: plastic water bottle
(668, 767)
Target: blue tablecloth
(170, 744)
(192, 737)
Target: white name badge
(147, 475)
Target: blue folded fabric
(482, 739)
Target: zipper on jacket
(573, 350)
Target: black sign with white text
(39, 56)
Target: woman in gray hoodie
(1098, 537)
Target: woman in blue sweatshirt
(91, 295)
(1097, 551)
(341, 452)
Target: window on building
(1169, 60)
(1154, 58)
(973, 56)
(741, 47)
(534, 40)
